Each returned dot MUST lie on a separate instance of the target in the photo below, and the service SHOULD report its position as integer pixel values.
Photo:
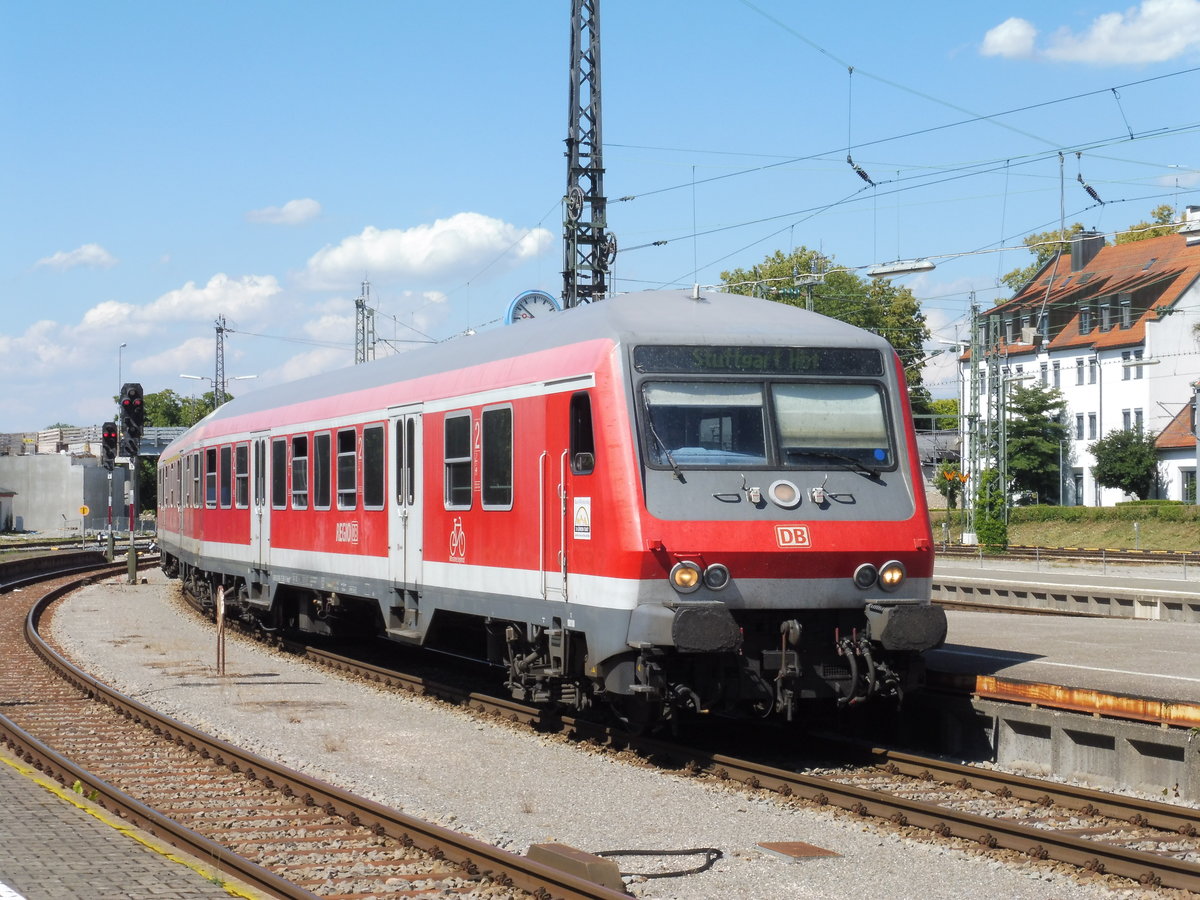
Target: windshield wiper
(839, 457)
(663, 445)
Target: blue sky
(166, 163)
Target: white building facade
(1114, 328)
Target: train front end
(787, 542)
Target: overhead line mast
(588, 249)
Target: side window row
(493, 433)
(219, 477)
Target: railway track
(280, 831)
(1074, 554)
(1154, 844)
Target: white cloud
(461, 244)
(294, 212)
(1012, 39)
(88, 255)
(1152, 31)
(233, 297)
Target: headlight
(716, 577)
(891, 575)
(685, 577)
(784, 494)
(865, 575)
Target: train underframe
(760, 663)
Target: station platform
(54, 845)
(1108, 690)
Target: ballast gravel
(504, 786)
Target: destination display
(748, 360)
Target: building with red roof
(1116, 328)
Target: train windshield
(803, 425)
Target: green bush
(1162, 510)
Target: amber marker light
(685, 577)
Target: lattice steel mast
(364, 326)
(588, 250)
(219, 380)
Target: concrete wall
(51, 488)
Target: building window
(1137, 420)
(374, 466)
(300, 472)
(1126, 303)
(1137, 370)
(1085, 318)
(1091, 370)
(1105, 315)
(1008, 329)
(1044, 327)
(1044, 373)
(497, 462)
(1187, 485)
(1079, 426)
(347, 469)
(1057, 374)
(1126, 373)
(1126, 420)
(1091, 426)
(1079, 370)
(457, 459)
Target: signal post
(133, 420)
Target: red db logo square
(790, 537)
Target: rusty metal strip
(1085, 700)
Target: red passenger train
(664, 501)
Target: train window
(497, 463)
(196, 494)
(458, 461)
(410, 463)
(347, 468)
(279, 473)
(705, 423)
(300, 472)
(373, 467)
(210, 478)
(583, 444)
(241, 473)
(321, 479)
(226, 477)
(820, 421)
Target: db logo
(792, 536)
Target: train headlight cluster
(687, 576)
(889, 576)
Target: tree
(1126, 460)
(946, 409)
(876, 305)
(947, 482)
(1162, 222)
(991, 529)
(166, 408)
(1035, 432)
(1043, 246)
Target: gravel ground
(504, 786)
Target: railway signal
(133, 418)
(108, 445)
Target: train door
(404, 554)
(259, 508)
(566, 497)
